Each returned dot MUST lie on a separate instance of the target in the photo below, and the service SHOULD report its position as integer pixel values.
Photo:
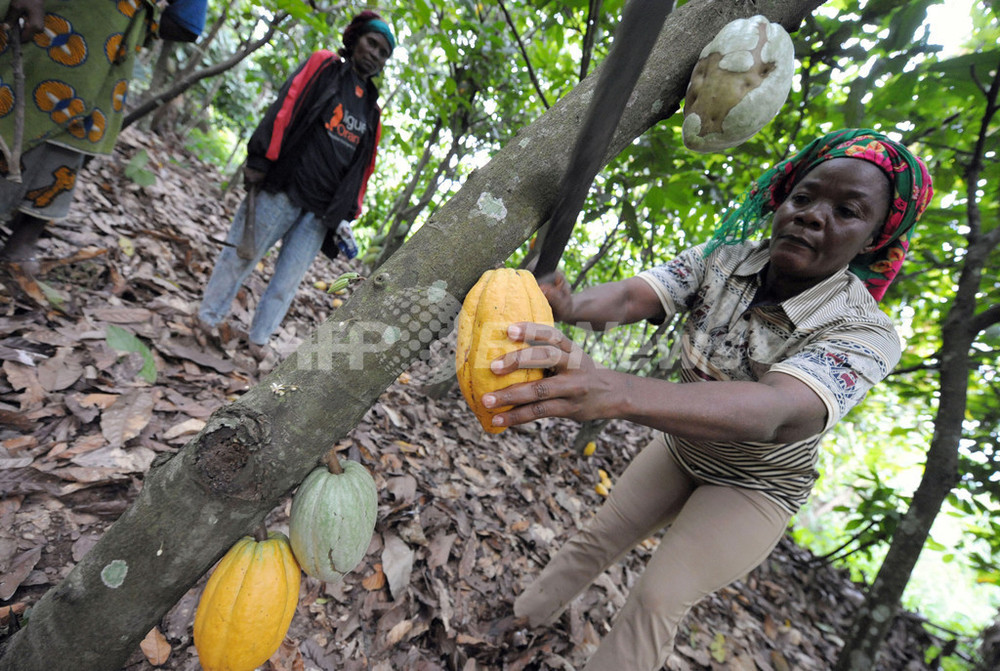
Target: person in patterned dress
(782, 338)
(77, 59)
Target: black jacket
(276, 143)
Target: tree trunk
(253, 452)
(161, 73)
(941, 472)
(876, 615)
(199, 112)
(403, 214)
(989, 649)
(416, 171)
(589, 431)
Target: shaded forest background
(466, 78)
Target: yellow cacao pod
(247, 606)
(500, 298)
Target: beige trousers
(716, 535)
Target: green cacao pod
(333, 518)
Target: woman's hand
(578, 388)
(253, 178)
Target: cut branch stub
(228, 456)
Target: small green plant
(124, 341)
(137, 172)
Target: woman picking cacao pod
(783, 337)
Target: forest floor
(466, 519)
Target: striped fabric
(832, 337)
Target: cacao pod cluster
(247, 605)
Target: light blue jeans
(301, 235)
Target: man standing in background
(307, 169)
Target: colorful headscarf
(911, 192)
(367, 22)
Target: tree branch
(832, 554)
(985, 319)
(975, 166)
(936, 365)
(593, 16)
(592, 261)
(938, 125)
(524, 53)
(416, 171)
(180, 87)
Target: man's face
(370, 54)
(832, 215)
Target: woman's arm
(604, 305)
(778, 408)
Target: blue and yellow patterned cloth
(78, 72)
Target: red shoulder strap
(296, 90)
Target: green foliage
(875, 518)
(215, 146)
(136, 169)
(124, 341)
